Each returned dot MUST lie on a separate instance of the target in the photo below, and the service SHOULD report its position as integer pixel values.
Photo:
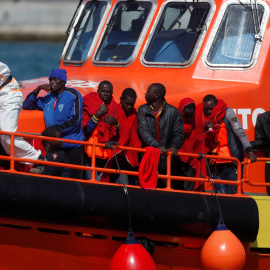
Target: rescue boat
(194, 48)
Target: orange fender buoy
(132, 256)
(223, 251)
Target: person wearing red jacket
(128, 136)
(194, 139)
(224, 137)
(100, 123)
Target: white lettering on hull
(246, 113)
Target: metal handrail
(246, 176)
(93, 167)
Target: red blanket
(148, 170)
(194, 139)
(218, 113)
(91, 104)
(128, 136)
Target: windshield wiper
(88, 7)
(73, 18)
(201, 27)
(113, 19)
(178, 18)
(257, 25)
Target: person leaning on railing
(128, 136)
(194, 141)
(224, 136)
(161, 126)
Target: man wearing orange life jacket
(224, 136)
(11, 100)
(100, 123)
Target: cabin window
(177, 33)
(237, 36)
(85, 31)
(123, 32)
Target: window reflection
(235, 41)
(177, 32)
(123, 31)
(85, 31)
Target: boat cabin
(194, 48)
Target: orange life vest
(221, 144)
(100, 152)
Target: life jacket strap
(8, 80)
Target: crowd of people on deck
(211, 127)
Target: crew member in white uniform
(11, 100)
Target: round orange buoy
(223, 251)
(132, 256)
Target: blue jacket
(65, 115)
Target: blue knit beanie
(59, 74)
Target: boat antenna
(110, 145)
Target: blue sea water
(29, 60)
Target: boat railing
(247, 173)
(168, 177)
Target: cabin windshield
(235, 39)
(123, 31)
(85, 31)
(177, 33)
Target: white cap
(4, 73)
